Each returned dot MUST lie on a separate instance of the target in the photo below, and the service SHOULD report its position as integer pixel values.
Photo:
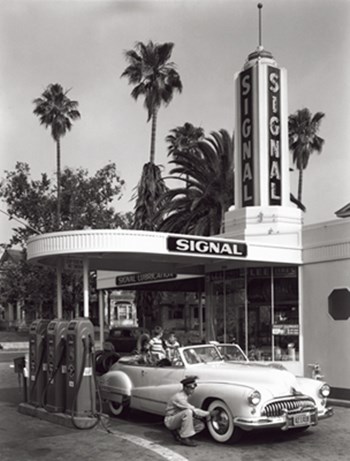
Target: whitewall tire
(118, 409)
(221, 427)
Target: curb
(24, 345)
(13, 346)
(63, 419)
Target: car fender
(114, 385)
(235, 395)
(311, 387)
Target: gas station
(261, 277)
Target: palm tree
(199, 207)
(184, 139)
(156, 79)
(304, 140)
(57, 111)
(149, 197)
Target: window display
(258, 308)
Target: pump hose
(37, 371)
(52, 377)
(97, 415)
(100, 413)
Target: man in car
(183, 419)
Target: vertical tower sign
(261, 141)
(274, 135)
(262, 164)
(247, 165)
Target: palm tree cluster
(205, 166)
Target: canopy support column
(86, 286)
(101, 315)
(59, 288)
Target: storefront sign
(285, 330)
(289, 271)
(247, 168)
(232, 274)
(207, 247)
(274, 134)
(131, 279)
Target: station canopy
(133, 251)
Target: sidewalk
(24, 345)
(14, 346)
(29, 438)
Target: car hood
(258, 376)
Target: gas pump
(81, 388)
(37, 361)
(56, 365)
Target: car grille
(278, 407)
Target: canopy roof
(143, 251)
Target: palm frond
(207, 171)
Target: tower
(262, 192)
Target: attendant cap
(189, 380)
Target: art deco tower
(262, 191)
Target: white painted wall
(326, 254)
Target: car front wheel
(118, 409)
(221, 426)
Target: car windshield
(201, 354)
(232, 352)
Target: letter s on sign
(182, 245)
(245, 85)
(274, 80)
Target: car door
(156, 386)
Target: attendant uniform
(180, 415)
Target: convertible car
(246, 395)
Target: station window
(258, 308)
(176, 313)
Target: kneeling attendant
(182, 418)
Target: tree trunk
(300, 184)
(153, 136)
(58, 145)
(222, 218)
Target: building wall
(326, 256)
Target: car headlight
(254, 398)
(324, 391)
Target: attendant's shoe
(188, 442)
(176, 435)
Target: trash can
(20, 369)
(291, 351)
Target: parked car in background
(246, 395)
(125, 339)
(120, 341)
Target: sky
(80, 44)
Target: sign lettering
(274, 135)
(131, 279)
(207, 247)
(247, 170)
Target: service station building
(271, 284)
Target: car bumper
(283, 422)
